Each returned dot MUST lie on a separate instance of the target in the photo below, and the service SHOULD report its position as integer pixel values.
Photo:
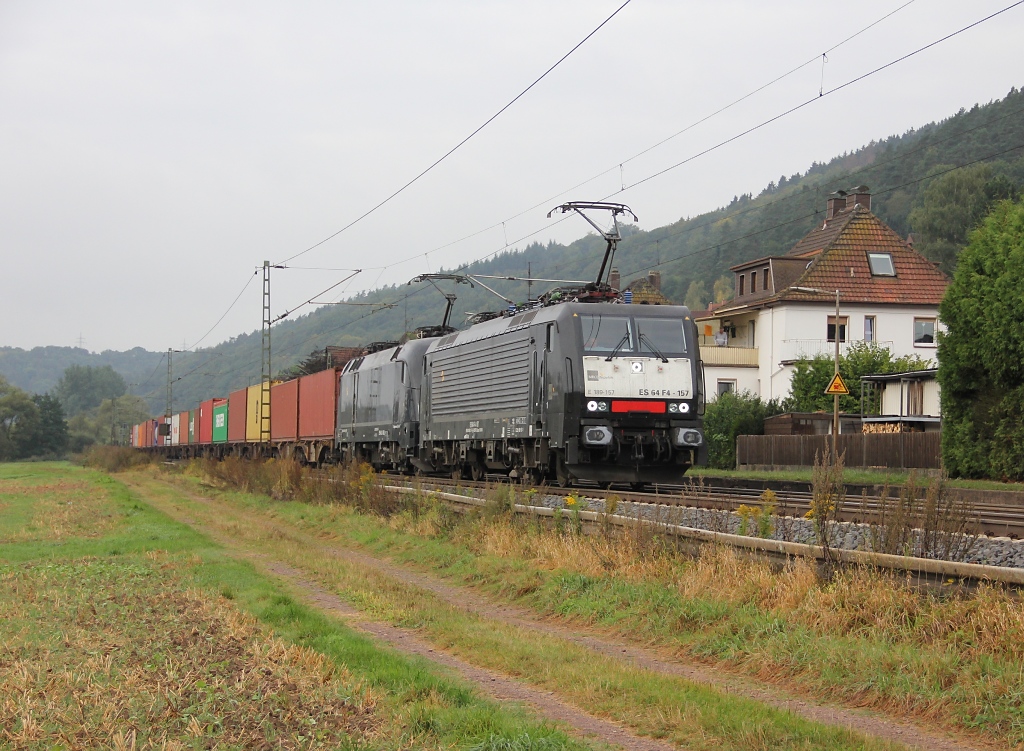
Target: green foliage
(811, 376)
(696, 295)
(952, 205)
(723, 288)
(732, 415)
(19, 421)
(51, 434)
(106, 423)
(83, 387)
(981, 355)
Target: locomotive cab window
(661, 336)
(606, 334)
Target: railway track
(993, 520)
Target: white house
(784, 306)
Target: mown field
(124, 629)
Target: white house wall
(786, 332)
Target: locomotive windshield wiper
(623, 340)
(650, 346)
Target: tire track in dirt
(469, 601)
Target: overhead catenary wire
(733, 138)
(459, 145)
(662, 142)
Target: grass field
(123, 629)
(950, 659)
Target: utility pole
(835, 397)
(167, 409)
(529, 283)
(265, 359)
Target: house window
(742, 280)
(764, 277)
(924, 332)
(843, 320)
(869, 328)
(753, 282)
(726, 386)
(881, 264)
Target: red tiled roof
(843, 264)
(822, 237)
(837, 258)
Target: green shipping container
(220, 421)
(191, 426)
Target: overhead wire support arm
(611, 236)
(450, 297)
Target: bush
(981, 354)
(114, 458)
(732, 415)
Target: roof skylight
(881, 264)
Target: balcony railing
(797, 349)
(740, 357)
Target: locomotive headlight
(592, 406)
(684, 407)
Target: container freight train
(597, 391)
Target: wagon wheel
(476, 471)
(457, 472)
(604, 485)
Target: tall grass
(114, 458)
(354, 484)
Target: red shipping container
(318, 404)
(205, 420)
(183, 429)
(236, 416)
(284, 411)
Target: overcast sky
(153, 154)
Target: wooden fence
(890, 450)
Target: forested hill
(912, 189)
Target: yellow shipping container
(253, 413)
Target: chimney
(654, 279)
(836, 203)
(859, 195)
(614, 280)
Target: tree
(729, 416)
(696, 296)
(105, 423)
(18, 422)
(812, 375)
(723, 288)
(951, 206)
(981, 355)
(83, 387)
(51, 435)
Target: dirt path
(467, 600)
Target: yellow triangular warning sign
(836, 387)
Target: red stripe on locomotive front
(657, 408)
